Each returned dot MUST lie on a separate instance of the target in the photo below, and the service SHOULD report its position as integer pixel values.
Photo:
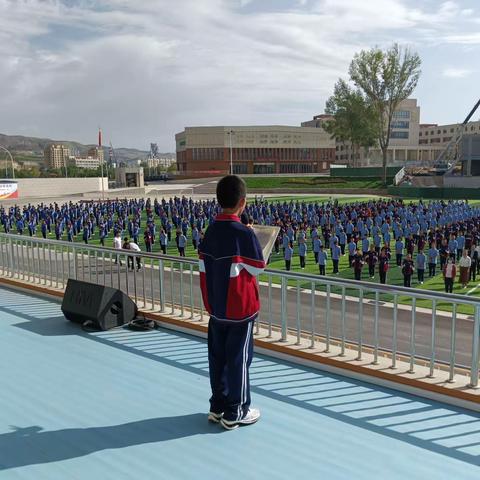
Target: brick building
(254, 150)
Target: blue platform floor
(132, 405)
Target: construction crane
(448, 157)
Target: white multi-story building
(410, 141)
(84, 162)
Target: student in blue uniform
(302, 251)
(182, 243)
(163, 241)
(433, 254)
(288, 256)
(336, 252)
(322, 260)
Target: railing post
(284, 309)
(475, 346)
(182, 300)
(412, 336)
(360, 324)
(375, 330)
(298, 313)
(312, 314)
(342, 345)
(432, 340)
(327, 321)
(152, 283)
(161, 284)
(270, 318)
(394, 337)
(12, 256)
(453, 337)
(191, 292)
(75, 269)
(171, 288)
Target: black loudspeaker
(107, 307)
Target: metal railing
(418, 326)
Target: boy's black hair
(230, 189)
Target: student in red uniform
(230, 259)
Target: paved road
(147, 282)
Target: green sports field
(394, 276)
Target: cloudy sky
(144, 69)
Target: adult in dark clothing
(407, 271)
(383, 266)
(372, 260)
(357, 265)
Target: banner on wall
(8, 189)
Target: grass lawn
(394, 276)
(299, 183)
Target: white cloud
(453, 72)
(145, 69)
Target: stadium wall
(56, 187)
(435, 193)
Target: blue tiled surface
(131, 405)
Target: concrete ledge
(419, 383)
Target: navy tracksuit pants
(230, 351)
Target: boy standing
(322, 260)
(230, 259)
(421, 266)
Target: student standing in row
(433, 254)
(449, 274)
(371, 261)
(421, 266)
(383, 265)
(474, 266)
(182, 243)
(302, 251)
(317, 243)
(399, 252)
(352, 248)
(322, 260)
(336, 252)
(407, 271)
(288, 255)
(357, 264)
(163, 241)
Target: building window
(240, 168)
(401, 114)
(400, 124)
(398, 134)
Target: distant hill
(32, 148)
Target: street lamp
(11, 158)
(230, 133)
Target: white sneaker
(214, 417)
(249, 418)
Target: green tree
(354, 118)
(385, 78)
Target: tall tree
(354, 119)
(385, 78)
